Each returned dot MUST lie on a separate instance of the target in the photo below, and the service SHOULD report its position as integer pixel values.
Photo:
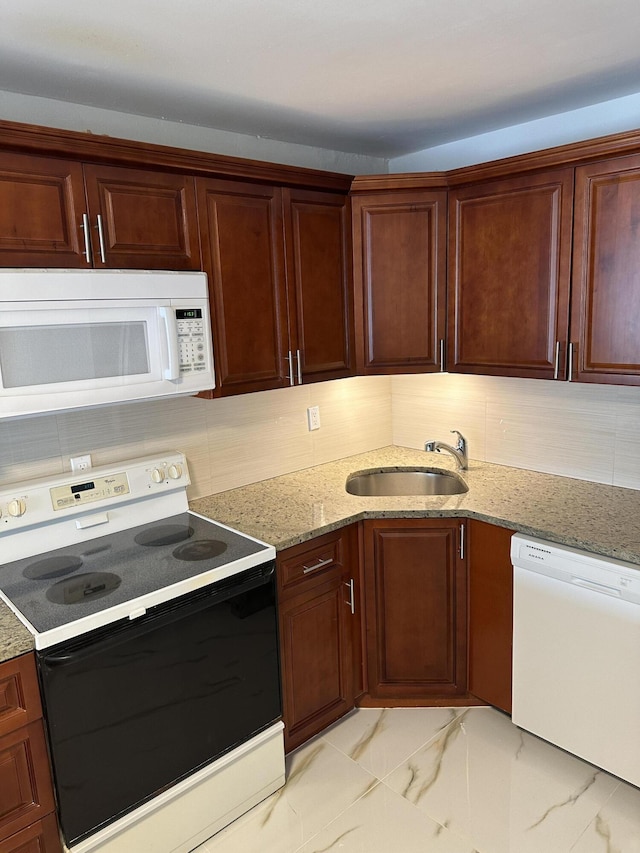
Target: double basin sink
(405, 481)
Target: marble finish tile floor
(437, 780)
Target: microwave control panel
(191, 340)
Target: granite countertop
(290, 509)
(295, 507)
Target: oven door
(133, 708)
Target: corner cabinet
(509, 275)
(278, 269)
(399, 257)
(62, 213)
(605, 307)
(319, 606)
(27, 816)
(416, 610)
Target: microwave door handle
(172, 369)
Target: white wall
(585, 431)
(614, 116)
(68, 116)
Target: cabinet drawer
(304, 563)
(19, 694)
(41, 837)
(26, 793)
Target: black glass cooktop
(80, 580)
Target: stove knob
(175, 471)
(17, 507)
(157, 475)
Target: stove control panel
(93, 489)
(31, 505)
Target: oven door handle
(172, 611)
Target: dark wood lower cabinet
(319, 621)
(27, 818)
(490, 613)
(434, 628)
(415, 603)
(40, 837)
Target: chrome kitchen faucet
(459, 452)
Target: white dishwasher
(576, 653)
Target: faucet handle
(462, 441)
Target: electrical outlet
(313, 417)
(80, 463)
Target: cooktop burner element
(164, 534)
(52, 567)
(116, 575)
(89, 585)
(201, 549)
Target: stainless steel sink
(406, 481)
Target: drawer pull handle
(319, 565)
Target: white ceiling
(379, 77)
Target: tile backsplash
(228, 442)
(590, 432)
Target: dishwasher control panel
(583, 569)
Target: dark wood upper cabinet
(416, 610)
(243, 254)
(509, 276)
(605, 307)
(41, 206)
(278, 264)
(318, 277)
(141, 219)
(399, 248)
(134, 219)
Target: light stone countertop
(295, 507)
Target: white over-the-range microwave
(72, 339)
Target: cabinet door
(40, 837)
(19, 693)
(318, 280)
(490, 613)
(148, 219)
(243, 254)
(415, 603)
(41, 207)
(509, 269)
(25, 782)
(605, 308)
(316, 661)
(399, 246)
(319, 632)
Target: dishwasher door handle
(596, 587)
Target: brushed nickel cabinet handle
(556, 365)
(570, 359)
(319, 565)
(290, 360)
(462, 541)
(299, 367)
(352, 600)
(103, 256)
(87, 237)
